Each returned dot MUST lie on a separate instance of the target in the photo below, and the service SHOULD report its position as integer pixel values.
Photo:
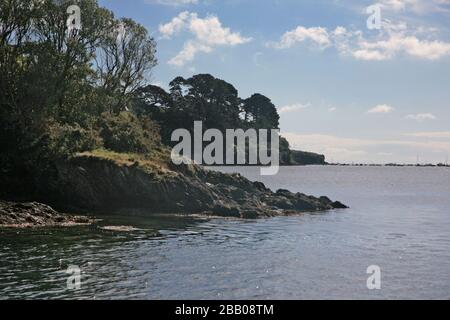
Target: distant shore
(346, 165)
(440, 165)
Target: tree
(260, 112)
(208, 99)
(126, 56)
(57, 81)
(152, 101)
(216, 103)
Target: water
(399, 220)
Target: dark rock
(284, 192)
(325, 199)
(100, 185)
(33, 214)
(260, 186)
(339, 205)
(225, 211)
(250, 214)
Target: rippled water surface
(399, 220)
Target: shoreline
(343, 165)
(105, 181)
(395, 165)
(26, 215)
(22, 214)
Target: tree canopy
(205, 98)
(59, 84)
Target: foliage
(66, 139)
(49, 73)
(260, 112)
(58, 87)
(217, 104)
(204, 98)
(126, 133)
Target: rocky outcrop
(33, 214)
(97, 184)
(305, 158)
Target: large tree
(56, 81)
(124, 61)
(260, 112)
(208, 99)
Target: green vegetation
(65, 93)
(204, 98)
(217, 104)
(155, 161)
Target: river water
(399, 221)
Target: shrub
(127, 133)
(68, 139)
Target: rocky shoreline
(115, 183)
(96, 184)
(34, 214)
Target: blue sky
(354, 94)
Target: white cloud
(317, 35)
(293, 108)
(382, 108)
(175, 26)
(208, 34)
(332, 109)
(173, 3)
(188, 53)
(400, 5)
(395, 40)
(372, 55)
(397, 44)
(421, 117)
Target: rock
(26, 206)
(33, 214)
(281, 202)
(226, 211)
(260, 186)
(325, 199)
(339, 205)
(101, 185)
(283, 192)
(250, 214)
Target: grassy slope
(157, 161)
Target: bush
(127, 133)
(66, 140)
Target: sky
(344, 87)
